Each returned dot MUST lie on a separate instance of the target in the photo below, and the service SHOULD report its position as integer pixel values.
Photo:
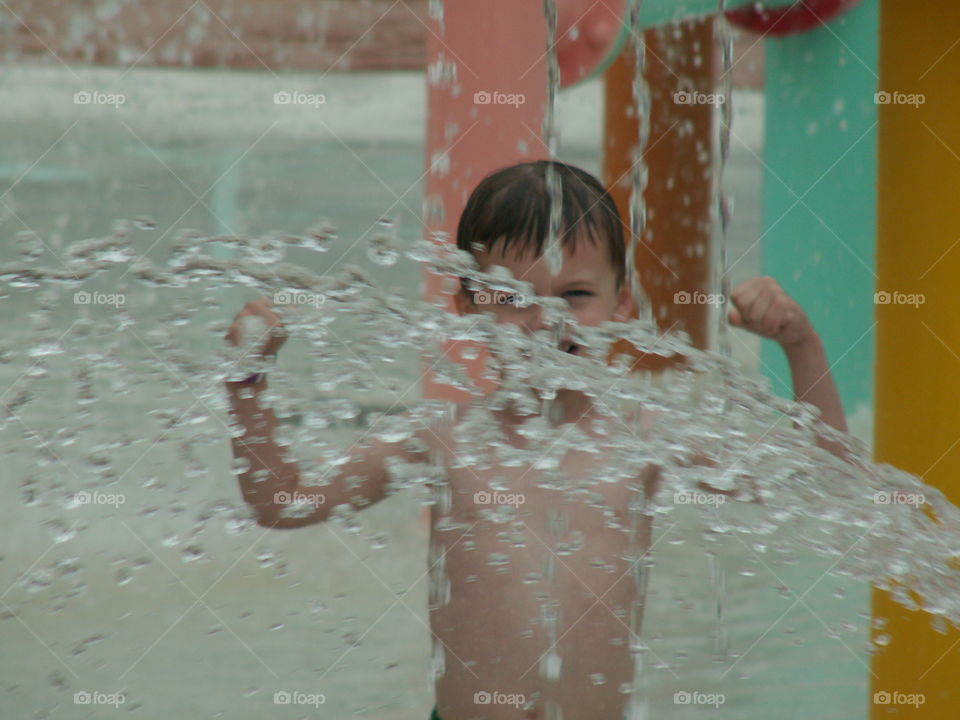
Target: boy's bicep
(364, 477)
(373, 459)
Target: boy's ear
(463, 301)
(625, 307)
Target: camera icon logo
(482, 297)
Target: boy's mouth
(565, 345)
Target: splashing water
(823, 501)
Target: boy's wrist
(809, 343)
(254, 379)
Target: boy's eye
(579, 293)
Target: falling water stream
(763, 448)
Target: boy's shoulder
(439, 433)
(507, 419)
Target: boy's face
(587, 281)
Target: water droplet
(383, 245)
(343, 409)
(550, 666)
(192, 553)
(320, 236)
(268, 249)
(29, 244)
(392, 429)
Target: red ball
(789, 20)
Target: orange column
(470, 132)
(673, 251)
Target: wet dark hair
(512, 206)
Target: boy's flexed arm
(761, 306)
(269, 483)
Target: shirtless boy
(550, 623)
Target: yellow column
(918, 320)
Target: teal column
(819, 194)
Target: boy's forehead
(584, 261)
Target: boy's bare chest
(569, 527)
(576, 483)
(536, 483)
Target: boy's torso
(538, 602)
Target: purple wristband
(252, 379)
